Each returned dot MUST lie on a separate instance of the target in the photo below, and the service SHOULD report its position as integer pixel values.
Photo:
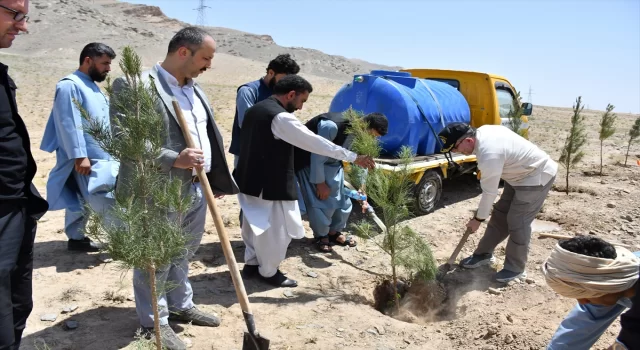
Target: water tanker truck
(419, 103)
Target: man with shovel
(190, 53)
(528, 174)
(603, 278)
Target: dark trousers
(17, 234)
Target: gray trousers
(173, 278)
(512, 217)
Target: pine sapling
(391, 191)
(515, 116)
(606, 128)
(572, 152)
(634, 133)
(143, 229)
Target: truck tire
(428, 192)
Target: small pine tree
(515, 116)
(634, 133)
(391, 192)
(572, 152)
(143, 229)
(606, 128)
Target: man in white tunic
(266, 179)
(528, 174)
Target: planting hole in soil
(419, 301)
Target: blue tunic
(63, 134)
(332, 213)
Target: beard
(290, 107)
(272, 83)
(96, 75)
(193, 74)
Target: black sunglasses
(18, 16)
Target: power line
(529, 95)
(202, 14)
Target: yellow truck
(489, 98)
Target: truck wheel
(428, 192)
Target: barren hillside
(60, 28)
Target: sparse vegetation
(114, 296)
(70, 294)
(572, 151)
(607, 128)
(143, 230)
(515, 115)
(575, 189)
(391, 192)
(633, 134)
(41, 344)
(141, 343)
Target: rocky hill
(60, 29)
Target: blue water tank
(397, 96)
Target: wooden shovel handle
(217, 219)
(463, 240)
(552, 235)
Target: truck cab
(490, 97)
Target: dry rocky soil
(333, 306)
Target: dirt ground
(333, 307)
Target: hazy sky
(561, 49)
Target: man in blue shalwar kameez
(84, 173)
(321, 179)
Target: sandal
(323, 244)
(347, 242)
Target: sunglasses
(17, 15)
(457, 144)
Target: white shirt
(194, 114)
(501, 153)
(258, 211)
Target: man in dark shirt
(20, 203)
(604, 280)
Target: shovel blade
(250, 342)
(446, 269)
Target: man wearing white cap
(604, 280)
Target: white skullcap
(580, 276)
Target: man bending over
(604, 280)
